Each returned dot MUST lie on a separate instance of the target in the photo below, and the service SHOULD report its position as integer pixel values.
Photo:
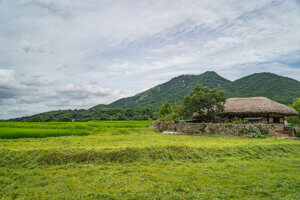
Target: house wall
(279, 126)
(256, 120)
(270, 119)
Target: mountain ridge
(278, 88)
(171, 91)
(270, 85)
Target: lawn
(130, 160)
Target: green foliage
(207, 103)
(296, 106)
(251, 133)
(237, 120)
(165, 109)
(64, 118)
(169, 118)
(297, 130)
(202, 128)
(92, 114)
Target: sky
(73, 54)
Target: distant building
(258, 110)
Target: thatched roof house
(256, 106)
(257, 110)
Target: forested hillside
(172, 91)
(277, 88)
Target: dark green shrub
(169, 118)
(251, 133)
(212, 130)
(297, 132)
(202, 128)
(238, 120)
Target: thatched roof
(256, 105)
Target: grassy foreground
(129, 160)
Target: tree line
(83, 115)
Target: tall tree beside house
(165, 109)
(206, 103)
(296, 106)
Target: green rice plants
(13, 133)
(120, 131)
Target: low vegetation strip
(77, 125)
(146, 154)
(13, 133)
(13, 130)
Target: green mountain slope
(277, 88)
(172, 91)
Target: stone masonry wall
(212, 128)
(289, 130)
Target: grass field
(129, 160)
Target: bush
(297, 131)
(295, 119)
(202, 128)
(251, 133)
(238, 120)
(170, 117)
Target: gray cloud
(9, 86)
(81, 92)
(38, 81)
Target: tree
(165, 109)
(296, 106)
(121, 116)
(36, 118)
(65, 118)
(206, 103)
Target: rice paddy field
(130, 160)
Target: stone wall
(212, 128)
(289, 130)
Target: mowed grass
(134, 161)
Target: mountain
(172, 91)
(146, 104)
(277, 88)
